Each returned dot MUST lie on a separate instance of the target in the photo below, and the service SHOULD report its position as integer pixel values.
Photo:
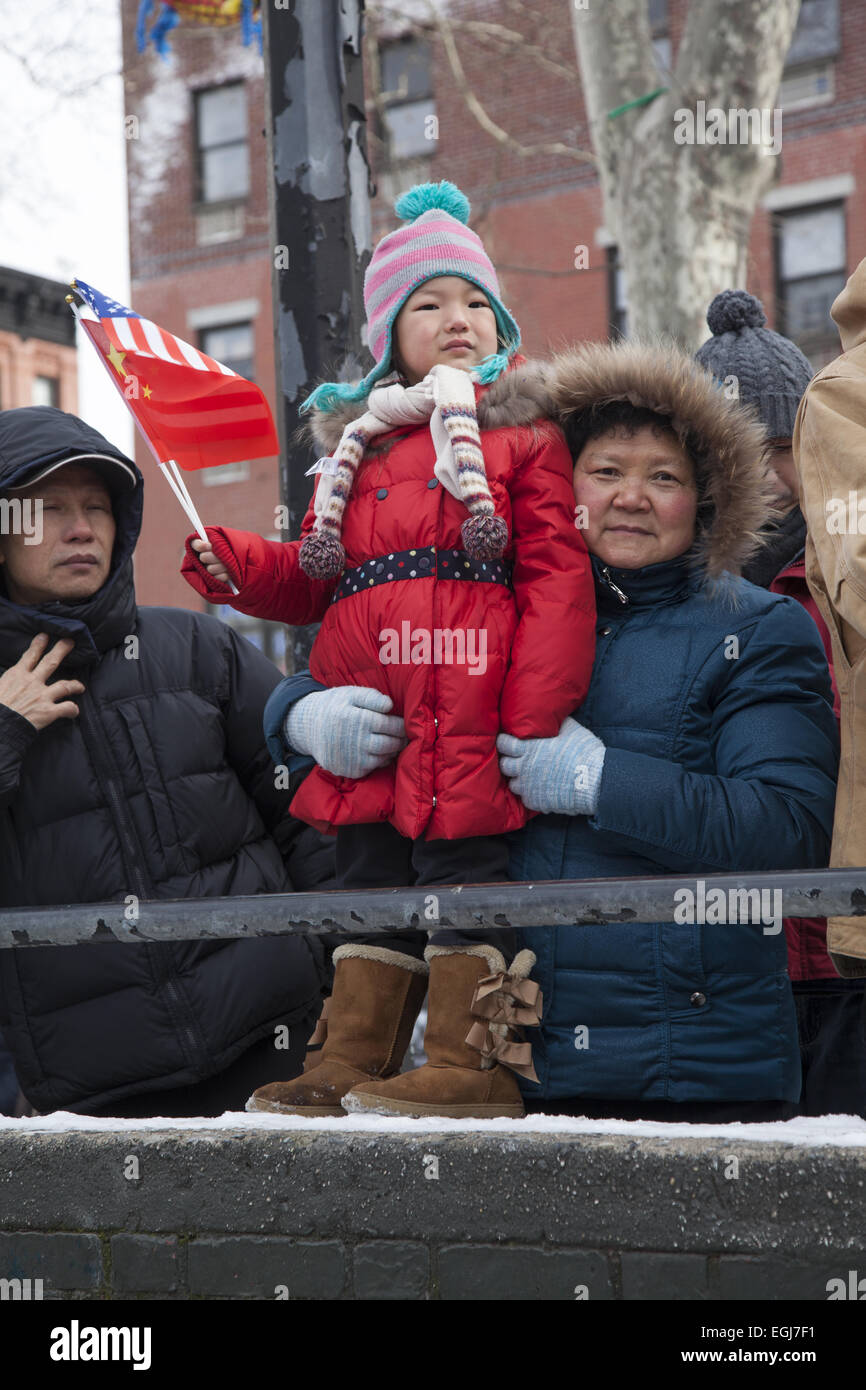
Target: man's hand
(347, 730)
(213, 566)
(24, 687)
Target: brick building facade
(38, 364)
(200, 249)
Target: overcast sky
(62, 164)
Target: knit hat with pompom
(435, 241)
(771, 371)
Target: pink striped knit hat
(435, 241)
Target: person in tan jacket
(830, 454)
(772, 376)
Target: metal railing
(582, 902)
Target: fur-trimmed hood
(519, 396)
(725, 439)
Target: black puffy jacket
(161, 788)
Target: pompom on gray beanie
(772, 373)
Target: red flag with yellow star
(191, 409)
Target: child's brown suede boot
(474, 1002)
(376, 999)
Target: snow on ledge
(840, 1131)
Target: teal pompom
(490, 368)
(425, 197)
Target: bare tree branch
(496, 131)
(496, 36)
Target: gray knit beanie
(771, 371)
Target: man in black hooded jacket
(132, 766)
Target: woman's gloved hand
(560, 775)
(347, 730)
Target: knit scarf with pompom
(445, 397)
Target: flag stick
(179, 488)
(171, 464)
(176, 483)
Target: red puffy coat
(537, 638)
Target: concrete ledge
(333, 1212)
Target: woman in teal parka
(706, 744)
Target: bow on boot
(508, 1002)
(461, 1079)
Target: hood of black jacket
(30, 438)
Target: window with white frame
(811, 269)
(233, 345)
(808, 78)
(661, 41)
(222, 146)
(411, 126)
(817, 34)
(45, 390)
(812, 84)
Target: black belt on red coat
(423, 563)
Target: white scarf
(391, 406)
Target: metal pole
(320, 220)
(804, 893)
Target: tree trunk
(681, 212)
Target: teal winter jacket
(721, 757)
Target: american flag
(191, 408)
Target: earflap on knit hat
(770, 371)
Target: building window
(232, 345)
(617, 295)
(226, 473)
(270, 638)
(45, 390)
(808, 79)
(811, 270)
(817, 33)
(222, 149)
(410, 121)
(216, 222)
(658, 18)
(809, 85)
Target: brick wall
(332, 1213)
(22, 359)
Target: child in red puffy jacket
(441, 556)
